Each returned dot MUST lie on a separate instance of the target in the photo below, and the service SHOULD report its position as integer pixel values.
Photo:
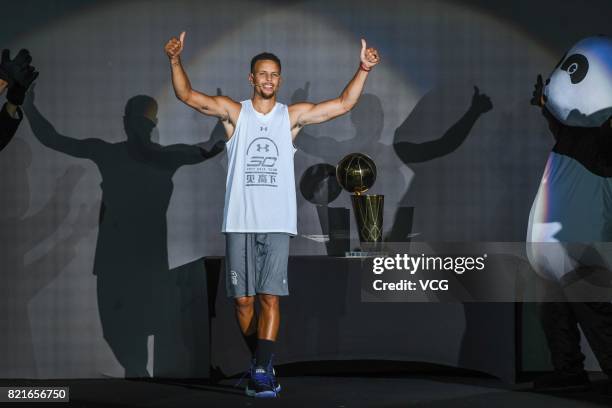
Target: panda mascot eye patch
(578, 91)
(577, 66)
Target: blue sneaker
(262, 383)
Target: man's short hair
(265, 56)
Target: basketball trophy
(356, 173)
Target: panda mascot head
(579, 90)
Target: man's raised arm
(220, 106)
(302, 114)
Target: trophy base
(364, 254)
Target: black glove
(12, 69)
(20, 75)
(16, 92)
(538, 90)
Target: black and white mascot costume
(571, 218)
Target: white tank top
(260, 186)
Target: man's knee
(244, 302)
(269, 301)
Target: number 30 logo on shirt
(262, 157)
(260, 161)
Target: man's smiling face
(266, 78)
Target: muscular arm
(302, 114)
(219, 106)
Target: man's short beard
(270, 96)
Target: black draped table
(325, 319)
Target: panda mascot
(573, 208)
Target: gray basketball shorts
(256, 263)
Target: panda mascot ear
(579, 89)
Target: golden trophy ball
(356, 173)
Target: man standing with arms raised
(260, 201)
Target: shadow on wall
(22, 279)
(368, 119)
(429, 188)
(138, 295)
(320, 187)
(318, 183)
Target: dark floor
(319, 391)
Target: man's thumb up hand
(174, 46)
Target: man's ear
(251, 79)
